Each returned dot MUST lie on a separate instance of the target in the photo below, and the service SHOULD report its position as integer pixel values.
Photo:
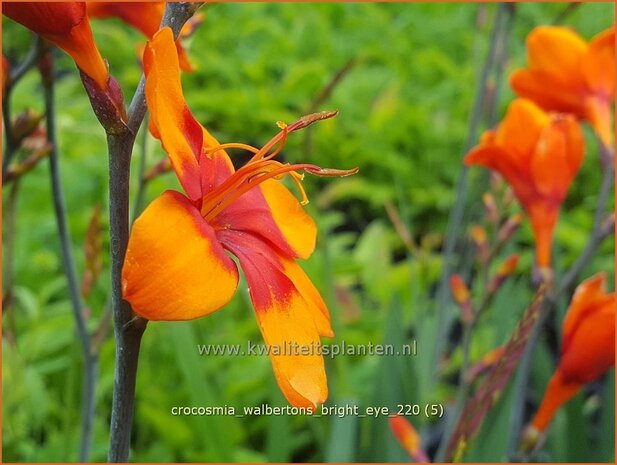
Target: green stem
(90, 359)
(495, 56)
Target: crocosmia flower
(408, 438)
(177, 266)
(587, 350)
(539, 155)
(144, 16)
(566, 74)
(66, 25)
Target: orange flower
(408, 438)
(66, 25)
(587, 351)
(539, 155)
(565, 74)
(144, 16)
(176, 265)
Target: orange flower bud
(480, 239)
(408, 438)
(487, 361)
(462, 297)
(66, 25)
(587, 350)
(505, 269)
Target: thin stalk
(143, 162)
(494, 59)
(90, 362)
(15, 76)
(8, 267)
(598, 234)
(456, 215)
(128, 328)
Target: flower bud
(506, 268)
(490, 208)
(480, 239)
(509, 228)
(462, 296)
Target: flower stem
(128, 328)
(495, 55)
(90, 358)
(456, 215)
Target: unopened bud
(508, 229)
(408, 438)
(462, 296)
(108, 104)
(480, 239)
(506, 268)
(487, 361)
(490, 208)
(25, 123)
(508, 197)
(496, 181)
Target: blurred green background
(405, 97)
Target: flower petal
(589, 297)
(179, 132)
(557, 393)
(66, 25)
(175, 268)
(143, 16)
(290, 314)
(557, 157)
(557, 52)
(520, 130)
(598, 65)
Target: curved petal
(589, 297)
(599, 113)
(291, 316)
(598, 65)
(557, 393)
(520, 130)
(175, 268)
(541, 88)
(557, 51)
(179, 132)
(144, 16)
(591, 347)
(271, 212)
(66, 25)
(557, 157)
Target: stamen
(256, 180)
(248, 148)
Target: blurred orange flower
(408, 438)
(539, 155)
(177, 267)
(66, 25)
(587, 351)
(145, 17)
(566, 74)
